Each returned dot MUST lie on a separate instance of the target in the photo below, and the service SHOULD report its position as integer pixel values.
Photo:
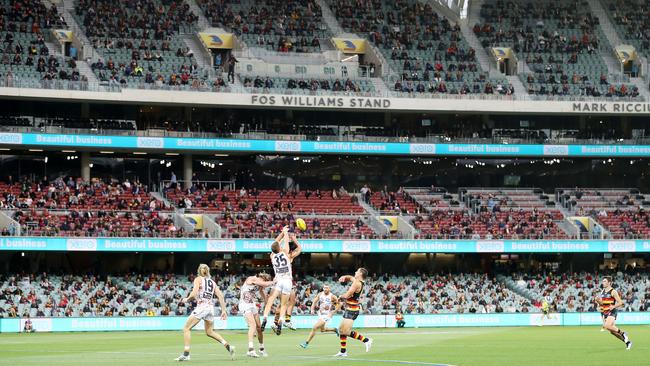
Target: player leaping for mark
(251, 291)
(352, 310)
(327, 306)
(281, 259)
(204, 291)
(609, 301)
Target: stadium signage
(622, 107)
(320, 101)
(27, 140)
(322, 245)
(108, 324)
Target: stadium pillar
(85, 110)
(85, 166)
(187, 170)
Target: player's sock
(251, 347)
(358, 336)
(618, 335)
(287, 318)
(623, 335)
(225, 344)
(344, 343)
(277, 318)
(186, 353)
(261, 347)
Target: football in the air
(300, 224)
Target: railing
(345, 137)
(322, 235)
(289, 57)
(116, 87)
(228, 185)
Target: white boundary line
(369, 360)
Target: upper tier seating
(278, 25)
(427, 50)
(140, 44)
(560, 42)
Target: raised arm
(346, 278)
(354, 288)
(194, 292)
(284, 245)
(296, 252)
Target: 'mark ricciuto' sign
(622, 107)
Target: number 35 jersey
(281, 266)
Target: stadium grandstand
(480, 166)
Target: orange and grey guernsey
(352, 304)
(607, 300)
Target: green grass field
(554, 346)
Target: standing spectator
(217, 62)
(231, 68)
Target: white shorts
(246, 308)
(284, 285)
(204, 312)
(324, 318)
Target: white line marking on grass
(425, 333)
(370, 360)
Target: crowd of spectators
(631, 19)
(576, 291)
(71, 193)
(263, 225)
(283, 26)
(24, 53)
(395, 202)
(254, 200)
(139, 43)
(156, 294)
(560, 42)
(47, 295)
(101, 223)
(624, 224)
(489, 224)
(426, 48)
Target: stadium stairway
(613, 40)
(373, 222)
(201, 55)
(330, 19)
(203, 23)
(485, 60)
(515, 81)
(6, 221)
(65, 8)
(162, 198)
(570, 229)
(380, 86)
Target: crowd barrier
(305, 322)
(322, 245)
(319, 147)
